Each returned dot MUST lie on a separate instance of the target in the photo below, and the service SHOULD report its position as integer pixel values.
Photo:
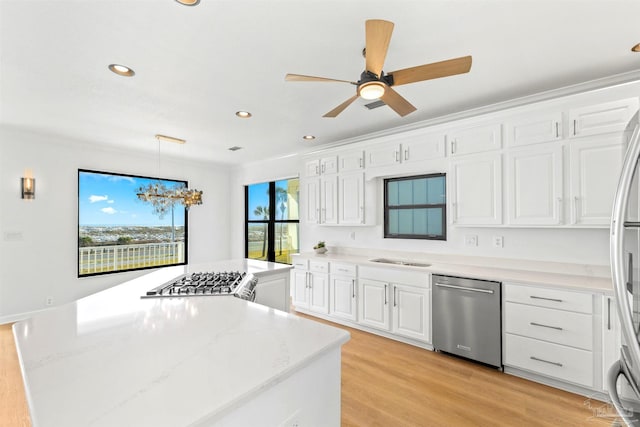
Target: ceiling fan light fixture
(371, 90)
(189, 2)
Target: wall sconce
(28, 188)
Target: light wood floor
(387, 383)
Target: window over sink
(415, 207)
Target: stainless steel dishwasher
(467, 319)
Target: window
(272, 220)
(415, 207)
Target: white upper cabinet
(328, 200)
(534, 185)
(602, 118)
(310, 199)
(352, 161)
(351, 198)
(325, 166)
(475, 139)
(595, 165)
(411, 149)
(534, 129)
(476, 190)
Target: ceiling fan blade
(302, 78)
(434, 70)
(340, 108)
(394, 100)
(378, 36)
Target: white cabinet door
(300, 294)
(373, 303)
(602, 118)
(534, 186)
(423, 148)
(595, 165)
(310, 198)
(342, 295)
(383, 155)
(319, 293)
(352, 161)
(312, 168)
(475, 139)
(351, 198)
(411, 312)
(476, 190)
(534, 129)
(328, 200)
(329, 165)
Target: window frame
(442, 206)
(271, 221)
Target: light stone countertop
(550, 274)
(115, 359)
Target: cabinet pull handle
(557, 130)
(574, 220)
(557, 328)
(406, 154)
(608, 314)
(353, 288)
(361, 162)
(306, 281)
(310, 281)
(545, 361)
(395, 288)
(385, 294)
(361, 214)
(453, 146)
(322, 168)
(546, 299)
(575, 132)
(317, 170)
(397, 154)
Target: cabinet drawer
(319, 266)
(343, 269)
(565, 363)
(557, 326)
(551, 298)
(301, 264)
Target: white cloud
(93, 198)
(109, 211)
(110, 201)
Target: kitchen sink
(400, 262)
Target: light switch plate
(471, 240)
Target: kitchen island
(115, 359)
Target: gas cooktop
(234, 283)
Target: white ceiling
(196, 66)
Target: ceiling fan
(374, 83)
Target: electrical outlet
(471, 240)
(49, 300)
(498, 241)
(352, 235)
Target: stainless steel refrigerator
(625, 263)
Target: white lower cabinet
(399, 302)
(310, 290)
(373, 303)
(550, 332)
(342, 291)
(411, 312)
(611, 338)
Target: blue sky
(111, 200)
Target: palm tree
(264, 213)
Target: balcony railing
(103, 259)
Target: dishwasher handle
(465, 288)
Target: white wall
(42, 262)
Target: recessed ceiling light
(122, 70)
(189, 2)
(308, 137)
(636, 48)
(243, 114)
